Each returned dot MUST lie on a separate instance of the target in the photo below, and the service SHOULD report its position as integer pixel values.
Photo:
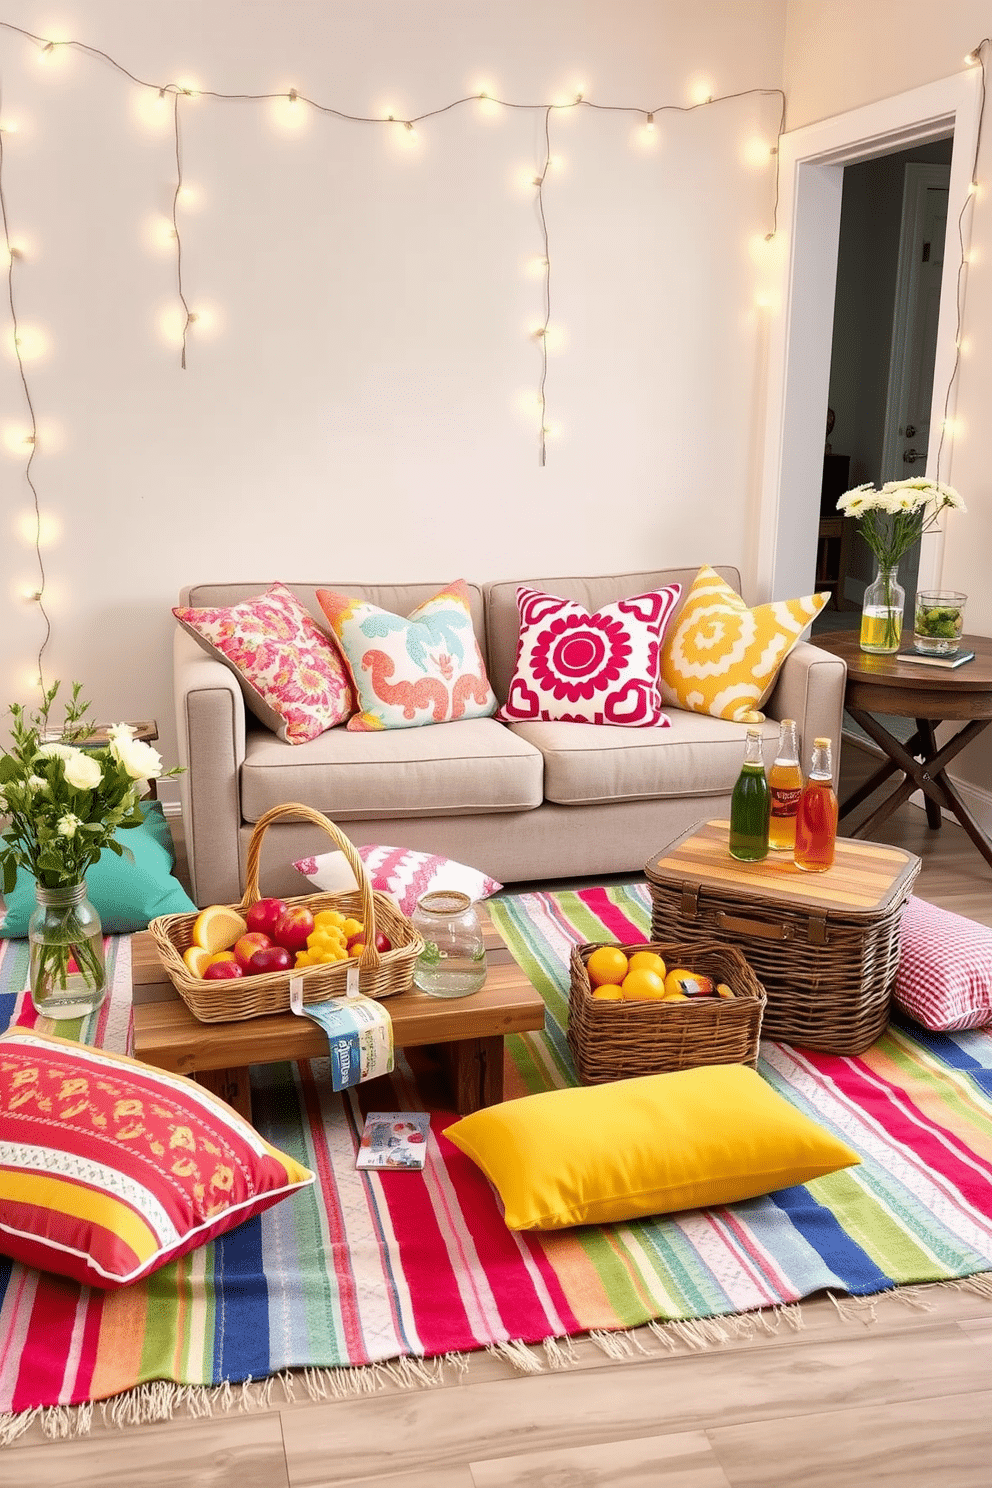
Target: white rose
(56, 751)
(118, 731)
(140, 760)
(82, 770)
(68, 825)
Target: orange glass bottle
(785, 782)
(816, 820)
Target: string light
(154, 98)
(948, 425)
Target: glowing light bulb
(43, 529)
(28, 343)
(649, 124)
(488, 104)
(701, 91)
(288, 113)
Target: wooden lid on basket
(866, 877)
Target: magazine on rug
(394, 1139)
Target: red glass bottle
(816, 819)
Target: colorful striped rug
(376, 1274)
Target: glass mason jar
(939, 621)
(67, 972)
(453, 961)
(881, 613)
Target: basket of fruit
(234, 961)
(648, 1009)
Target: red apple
(222, 971)
(246, 947)
(271, 958)
(293, 927)
(382, 941)
(264, 914)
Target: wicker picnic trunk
(616, 1040)
(825, 946)
(380, 973)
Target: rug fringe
(162, 1400)
(514, 1351)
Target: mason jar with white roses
(63, 805)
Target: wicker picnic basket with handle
(616, 1040)
(380, 973)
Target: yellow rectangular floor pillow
(652, 1145)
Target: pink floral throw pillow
(400, 872)
(407, 671)
(574, 667)
(291, 673)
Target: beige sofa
(524, 801)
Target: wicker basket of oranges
(651, 1008)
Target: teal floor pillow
(126, 894)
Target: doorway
(890, 260)
(812, 164)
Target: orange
(608, 992)
(607, 964)
(217, 927)
(643, 985)
(221, 956)
(196, 959)
(647, 961)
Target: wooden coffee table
(468, 1030)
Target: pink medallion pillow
(944, 979)
(425, 667)
(400, 872)
(580, 668)
(291, 673)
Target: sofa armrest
(810, 689)
(210, 728)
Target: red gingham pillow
(944, 979)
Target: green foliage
(62, 803)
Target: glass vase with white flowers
(891, 521)
(62, 804)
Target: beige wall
(364, 405)
(839, 55)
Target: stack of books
(958, 659)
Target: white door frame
(812, 161)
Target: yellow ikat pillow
(722, 658)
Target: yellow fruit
(352, 927)
(197, 960)
(647, 961)
(643, 986)
(608, 992)
(216, 928)
(607, 963)
(221, 956)
(722, 990)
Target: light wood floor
(862, 1395)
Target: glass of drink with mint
(939, 621)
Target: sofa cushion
(582, 667)
(721, 657)
(587, 763)
(292, 675)
(475, 765)
(423, 668)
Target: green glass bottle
(750, 805)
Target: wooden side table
(929, 695)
